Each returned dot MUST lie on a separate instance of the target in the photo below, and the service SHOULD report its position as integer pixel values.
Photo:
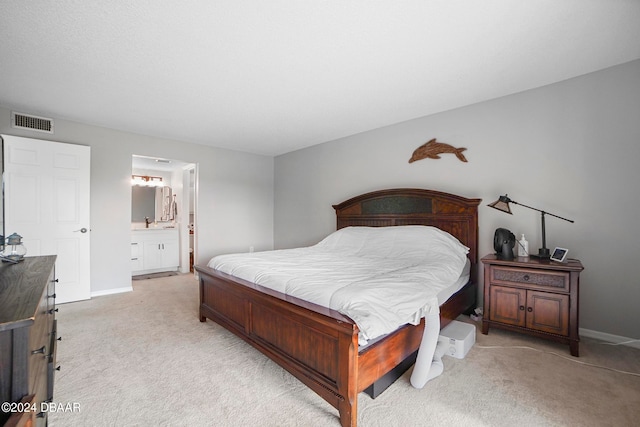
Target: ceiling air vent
(26, 121)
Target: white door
(46, 193)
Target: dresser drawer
(38, 345)
(26, 418)
(51, 361)
(531, 279)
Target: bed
(319, 345)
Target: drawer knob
(53, 310)
(529, 309)
(41, 350)
(58, 368)
(522, 307)
(52, 296)
(526, 277)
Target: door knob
(82, 230)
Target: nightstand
(534, 297)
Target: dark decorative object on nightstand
(503, 243)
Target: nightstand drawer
(556, 280)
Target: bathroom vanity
(154, 250)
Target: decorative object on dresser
(502, 204)
(533, 296)
(433, 149)
(333, 365)
(14, 251)
(28, 336)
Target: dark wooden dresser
(533, 296)
(28, 339)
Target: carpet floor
(142, 358)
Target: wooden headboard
(411, 206)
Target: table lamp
(502, 204)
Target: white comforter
(381, 278)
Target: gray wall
(571, 148)
(235, 195)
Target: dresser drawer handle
(526, 277)
(41, 350)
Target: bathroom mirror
(150, 202)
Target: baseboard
(610, 338)
(112, 291)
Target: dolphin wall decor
(433, 149)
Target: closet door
(46, 186)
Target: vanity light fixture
(502, 204)
(146, 181)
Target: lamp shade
(502, 204)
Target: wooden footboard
(317, 345)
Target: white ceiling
(274, 76)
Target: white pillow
(410, 241)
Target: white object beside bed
(458, 338)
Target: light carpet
(142, 358)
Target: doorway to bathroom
(163, 215)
